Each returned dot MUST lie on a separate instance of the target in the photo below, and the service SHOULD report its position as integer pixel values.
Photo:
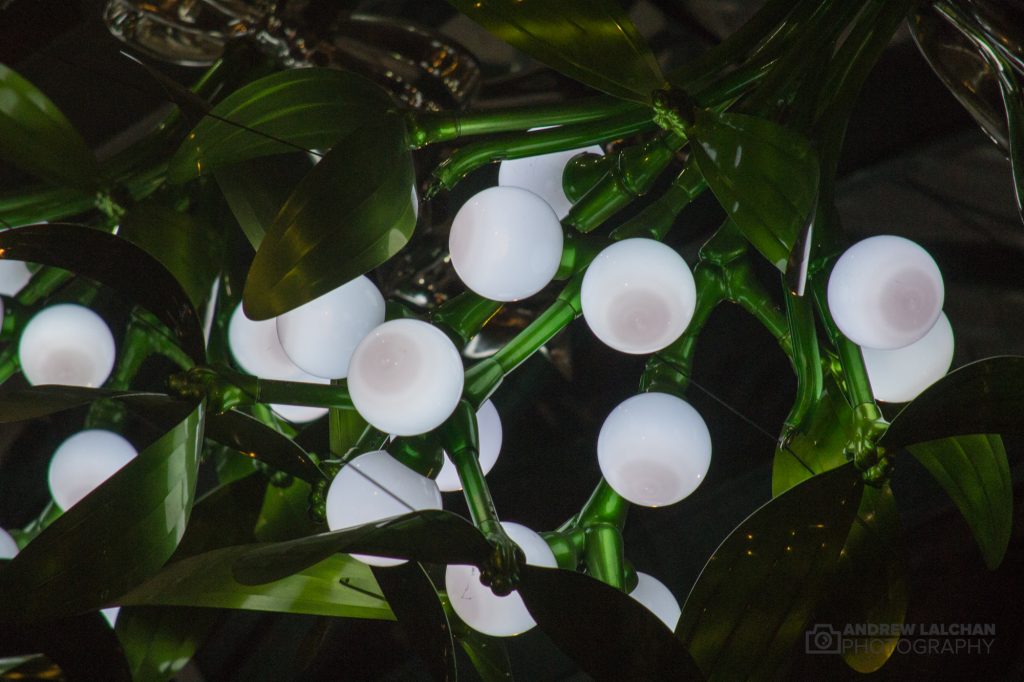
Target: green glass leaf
(83, 646)
(255, 191)
(605, 631)
(414, 600)
(292, 110)
(974, 472)
(284, 514)
(764, 176)
(118, 264)
(489, 655)
(431, 536)
(36, 137)
(353, 211)
(986, 396)
(189, 249)
(159, 642)
(115, 537)
(34, 402)
(758, 591)
(592, 41)
(224, 516)
(257, 440)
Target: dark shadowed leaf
(292, 110)
(489, 655)
(83, 646)
(592, 41)
(39, 401)
(255, 439)
(256, 189)
(284, 514)
(118, 264)
(756, 594)
(974, 472)
(986, 396)
(353, 211)
(764, 176)
(160, 641)
(36, 137)
(605, 631)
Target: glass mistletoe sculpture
(252, 347)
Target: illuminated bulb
(319, 337)
(900, 375)
(658, 599)
(258, 351)
(405, 377)
(506, 243)
(885, 292)
(654, 449)
(84, 461)
(376, 486)
(67, 344)
(542, 175)
(638, 296)
(488, 426)
(480, 608)
(8, 547)
(14, 275)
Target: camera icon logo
(822, 639)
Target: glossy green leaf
(189, 249)
(758, 591)
(413, 598)
(605, 631)
(292, 110)
(255, 191)
(34, 402)
(226, 515)
(974, 472)
(255, 439)
(84, 646)
(115, 537)
(764, 176)
(351, 213)
(986, 396)
(592, 41)
(36, 137)
(159, 641)
(118, 264)
(431, 536)
(284, 514)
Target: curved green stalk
(806, 358)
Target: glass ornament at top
(658, 599)
(542, 175)
(84, 461)
(488, 425)
(480, 608)
(67, 344)
(376, 486)
(900, 375)
(638, 296)
(654, 449)
(885, 292)
(506, 243)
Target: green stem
(459, 436)
(806, 358)
(604, 554)
(463, 316)
(299, 393)
(657, 218)
(858, 387)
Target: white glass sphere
(14, 275)
(542, 175)
(488, 426)
(258, 351)
(658, 599)
(506, 243)
(8, 547)
(405, 377)
(67, 344)
(885, 292)
(111, 614)
(900, 375)
(638, 296)
(480, 608)
(84, 461)
(320, 336)
(654, 449)
(376, 486)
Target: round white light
(480, 608)
(258, 351)
(654, 449)
(542, 175)
(658, 599)
(376, 486)
(885, 292)
(14, 275)
(84, 461)
(67, 344)
(319, 337)
(111, 614)
(506, 243)
(405, 377)
(900, 375)
(488, 426)
(638, 296)
(8, 547)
